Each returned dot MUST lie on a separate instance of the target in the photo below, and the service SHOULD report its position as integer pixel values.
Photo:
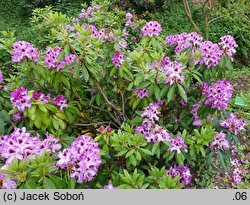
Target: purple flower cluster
(149, 129)
(109, 186)
(220, 142)
(183, 172)
(102, 34)
(210, 54)
(173, 73)
(1, 77)
(218, 94)
(129, 22)
(22, 50)
(104, 130)
(141, 93)
(177, 144)
(7, 182)
(89, 13)
(152, 28)
(82, 158)
(60, 101)
(118, 59)
(197, 121)
(20, 99)
(40, 97)
(184, 40)
(237, 176)
(228, 45)
(70, 29)
(93, 29)
(1, 81)
(22, 145)
(51, 59)
(233, 123)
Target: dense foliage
(104, 100)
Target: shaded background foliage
(227, 17)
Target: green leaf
(71, 183)
(85, 74)
(157, 92)
(132, 160)
(203, 111)
(138, 155)
(51, 107)
(42, 108)
(222, 160)
(31, 185)
(130, 153)
(65, 81)
(66, 49)
(171, 92)
(155, 147)
(146, 151)
(31, 112)
(48, 184)
(239, 101)
(121, 153)
(58, 182)
(5, 116)
(182, 92)
(179, 158)
(60, 56)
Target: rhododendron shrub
(121, 106)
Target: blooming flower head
(184, 40)
(177, 144)
(210, 54)
(152, 28)
(141, 93)
(183, 172)
(60, 101)
(197, 121)
(70, 29)
(20, 99)
(218, 94)
(233, 123)
(1, 77)
(151, 112)
(220, 142)
(38, 96)
(118, 59)
(87, 15)
(173, 73)
(51, 59)
(228, 45)
(21, 145)
(172, 40)
(158, 134)
(109, 186)
(9, 184)
(22, 50)
(93, 29)
(237, 176)
(82, 158)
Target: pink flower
(118, 59)
(218, 94)
(151, 29)
(228, 45)
(22, 50)
(210, 54)
(177, 144)
(220, 142)
(233, 123)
